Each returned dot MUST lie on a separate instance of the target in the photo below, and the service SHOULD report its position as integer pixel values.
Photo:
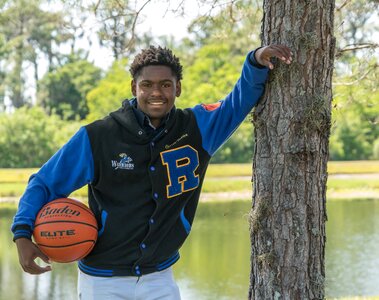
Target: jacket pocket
(104, 216)
(186, 224)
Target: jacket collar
(143, 119)
(134, 120)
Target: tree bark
(292, 127)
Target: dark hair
(156, 56)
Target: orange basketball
(65, 230)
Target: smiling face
(156, 88)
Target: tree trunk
(292, 127)
(17, 82)
(36, 77)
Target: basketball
(65, 230)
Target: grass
(15, 175)
(219, 185)
(222, 185)
(13, 189)
(353, 183)
(357, 298)
(229, 170)
(353, 167)
(16, 189)
(224, 170)
(214, 184)
(334, 167)
(233, 178)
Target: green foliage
(375, 154)
(356, 97)
(221, 43)
(2, 91)
(355, 116)
(211, 77)
(28, 32)
(355, 25)
(110, 91)
(236, 25)
(63, 91)
(29, 137)
(239, 148)
(212, 57)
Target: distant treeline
(74, 92)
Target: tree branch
(338, 9)
(354, 47)
(96, 6)
(135, 23)
(358, 80)
(231, 12)
(180, 5)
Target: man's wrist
(253, 61)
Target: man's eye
(166, 85)
(145, 84)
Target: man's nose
(156, 90)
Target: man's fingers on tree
(265, 60)
(282, 52)
(288, 54)
(283, 49)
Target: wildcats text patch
(125, 162)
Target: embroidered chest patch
(125, 162)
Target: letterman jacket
(143, 189)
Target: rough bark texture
(292, 126)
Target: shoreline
(346, 195)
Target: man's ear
(133, 85)
(178, 88)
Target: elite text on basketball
(58, 233)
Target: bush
(29, 137)
(375, 154)
(239, 148)
(63, 91)
(107, 96)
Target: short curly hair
(156, 56)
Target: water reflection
(215, 259)
(352, 257)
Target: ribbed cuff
(22, 231)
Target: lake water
(214, 261)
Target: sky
(157, 19)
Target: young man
(144, 165)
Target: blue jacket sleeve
(218, 121)
(67, 170)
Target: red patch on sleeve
(210, 107)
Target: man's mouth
(156, 102)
